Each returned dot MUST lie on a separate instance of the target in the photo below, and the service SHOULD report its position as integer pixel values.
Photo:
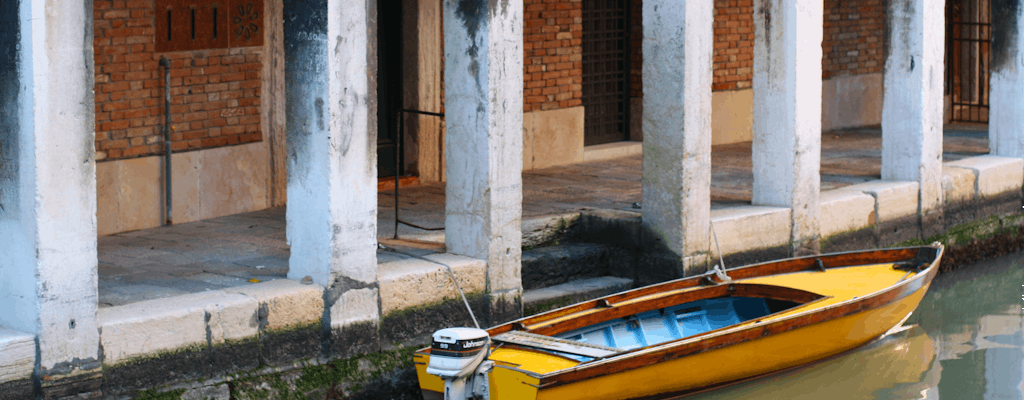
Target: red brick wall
(553, 54)
(734, 45)
(854, 36)
(215, 93)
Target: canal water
(967, 342)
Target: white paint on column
(1005, 117)
(677, 125)
(484, 139)
(787, 111)
(912, 104)
(48, 236)
(332, 163)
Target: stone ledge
(576, 291)
(957, 184)
(993, 175)
(747, 228)
(609, 151)
(844, 211)
(152, 327)
(17, 355)
(288, 303)
(893, 200)
(412, 282)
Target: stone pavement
(238, 249)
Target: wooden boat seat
(557, 345)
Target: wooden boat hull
(771, 344)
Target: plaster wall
(787, 112)
(330, 67)
(732, 116)
(851, 101)
(1006, 122)
(677, 53)
(484, 136)
(913, 102)
(47, 223)
(553, 137)
(206, 184)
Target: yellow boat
(686, 335)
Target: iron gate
(969, 37)
(605, 71)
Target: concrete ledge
(539, 300)
(747, 228)
(958, 184)
(17, 355)
(893, 200)
(541, 230)
(151, 327)
(553, 265)
(994, 175)
(609, 151)
(412, 282)
(845, 211)
(287, 303)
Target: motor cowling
(459, 356)
(457, 352)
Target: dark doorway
(605, 71)
(389, 85)
(969, 37)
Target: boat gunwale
(728, 336)
(768, 268)
(673, 349)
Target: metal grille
(605, 74)
(969, 38)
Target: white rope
(450, 273)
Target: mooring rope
(450, 273)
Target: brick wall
(733, 62)
(215, 93)
(553, 54)
(853, 40)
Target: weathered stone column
(483, 50)
(787, 113)
(1005, 119)
(48, 186)
(677, 136)
(330, 69)
(912, 104)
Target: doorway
(605, 71)
(389, 87)
(969, 39)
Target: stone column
(330, 65)
(676, 212)
(912, 104)
(787, 113)
(1005, 119)
(48, 186)
(483, 50)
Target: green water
(968, 343)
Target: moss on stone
(470, 297)
(152, 394)
(155, 356)
(334, 379)
(548, 305)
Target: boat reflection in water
(899, 366)
(968, 344)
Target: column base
(504, 307)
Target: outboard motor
(459, 356)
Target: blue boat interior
(676, 322)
